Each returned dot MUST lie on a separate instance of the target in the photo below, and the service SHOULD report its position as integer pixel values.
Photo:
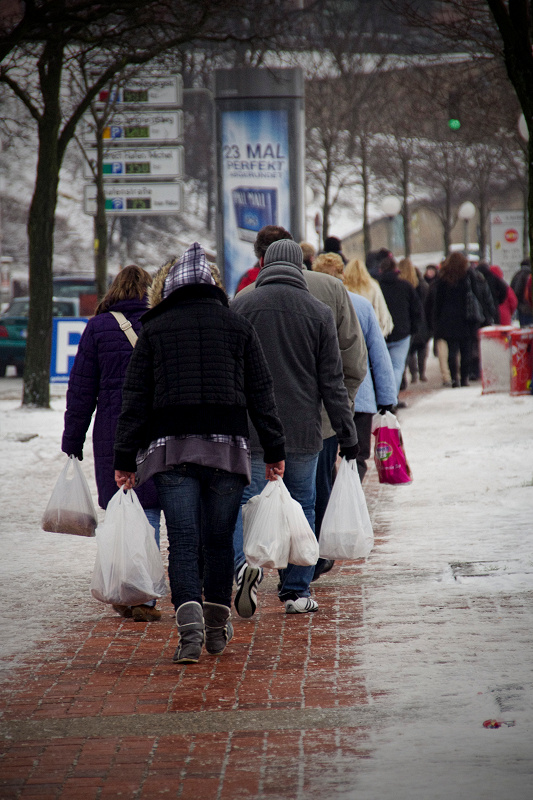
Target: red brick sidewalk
(283, 713)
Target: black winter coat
(198, 367)
(403, 303)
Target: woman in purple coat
(95, 382)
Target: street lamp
(391, 206)
(466, 212)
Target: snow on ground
(447, 591)
(449, 605)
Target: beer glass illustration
(254, 208)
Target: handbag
(346, 530)
(71, 508)
(128, 569)
(389, 452)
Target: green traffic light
(454, 124)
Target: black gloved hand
(349, 453)
(79, 455)
(383, 409)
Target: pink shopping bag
(389, 454)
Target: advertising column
(260, 161)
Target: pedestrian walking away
(95, 384)
(196, 371)
(406, 311)
(354, 364)
(300, 342)
(518, 285)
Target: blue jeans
(201, 506)
(398, 355)
(299, 478)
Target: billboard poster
(255, 183)
(506, 241)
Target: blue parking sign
(66, 335)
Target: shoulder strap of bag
(126, 326)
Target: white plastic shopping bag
(276, 530)
(346, 531)
(265, 530)
(71, 508)
(128, 569)
(304, 544)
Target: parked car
(14, 328)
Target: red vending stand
(495, 357)
(521, 360)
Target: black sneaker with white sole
(248, 579)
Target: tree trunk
(41, 220)
(446, 223)
(530, 195)
(326, 208)
(367, 236)
(406, 211)
(483, 216)
(100, 223)
(525, 225)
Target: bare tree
(39, 45)
(502, 29)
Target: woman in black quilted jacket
(197, 372)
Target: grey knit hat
(284, 251)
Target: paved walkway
(285, 713)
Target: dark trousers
(324, 479)
(463, 346)
(363, 426)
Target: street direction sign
(155, 90)
(160, 162)
(136, 198)
(145, 127)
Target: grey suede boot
(191, 633)
(218, 628)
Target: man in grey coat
(332, 292)
(299, 338)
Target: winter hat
(284, 251)
(497, 271)
(191, 267)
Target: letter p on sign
(66, 335)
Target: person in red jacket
(510, 304)
(248, 277)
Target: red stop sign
(511, 235)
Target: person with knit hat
(195, 375)
(299, 339)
